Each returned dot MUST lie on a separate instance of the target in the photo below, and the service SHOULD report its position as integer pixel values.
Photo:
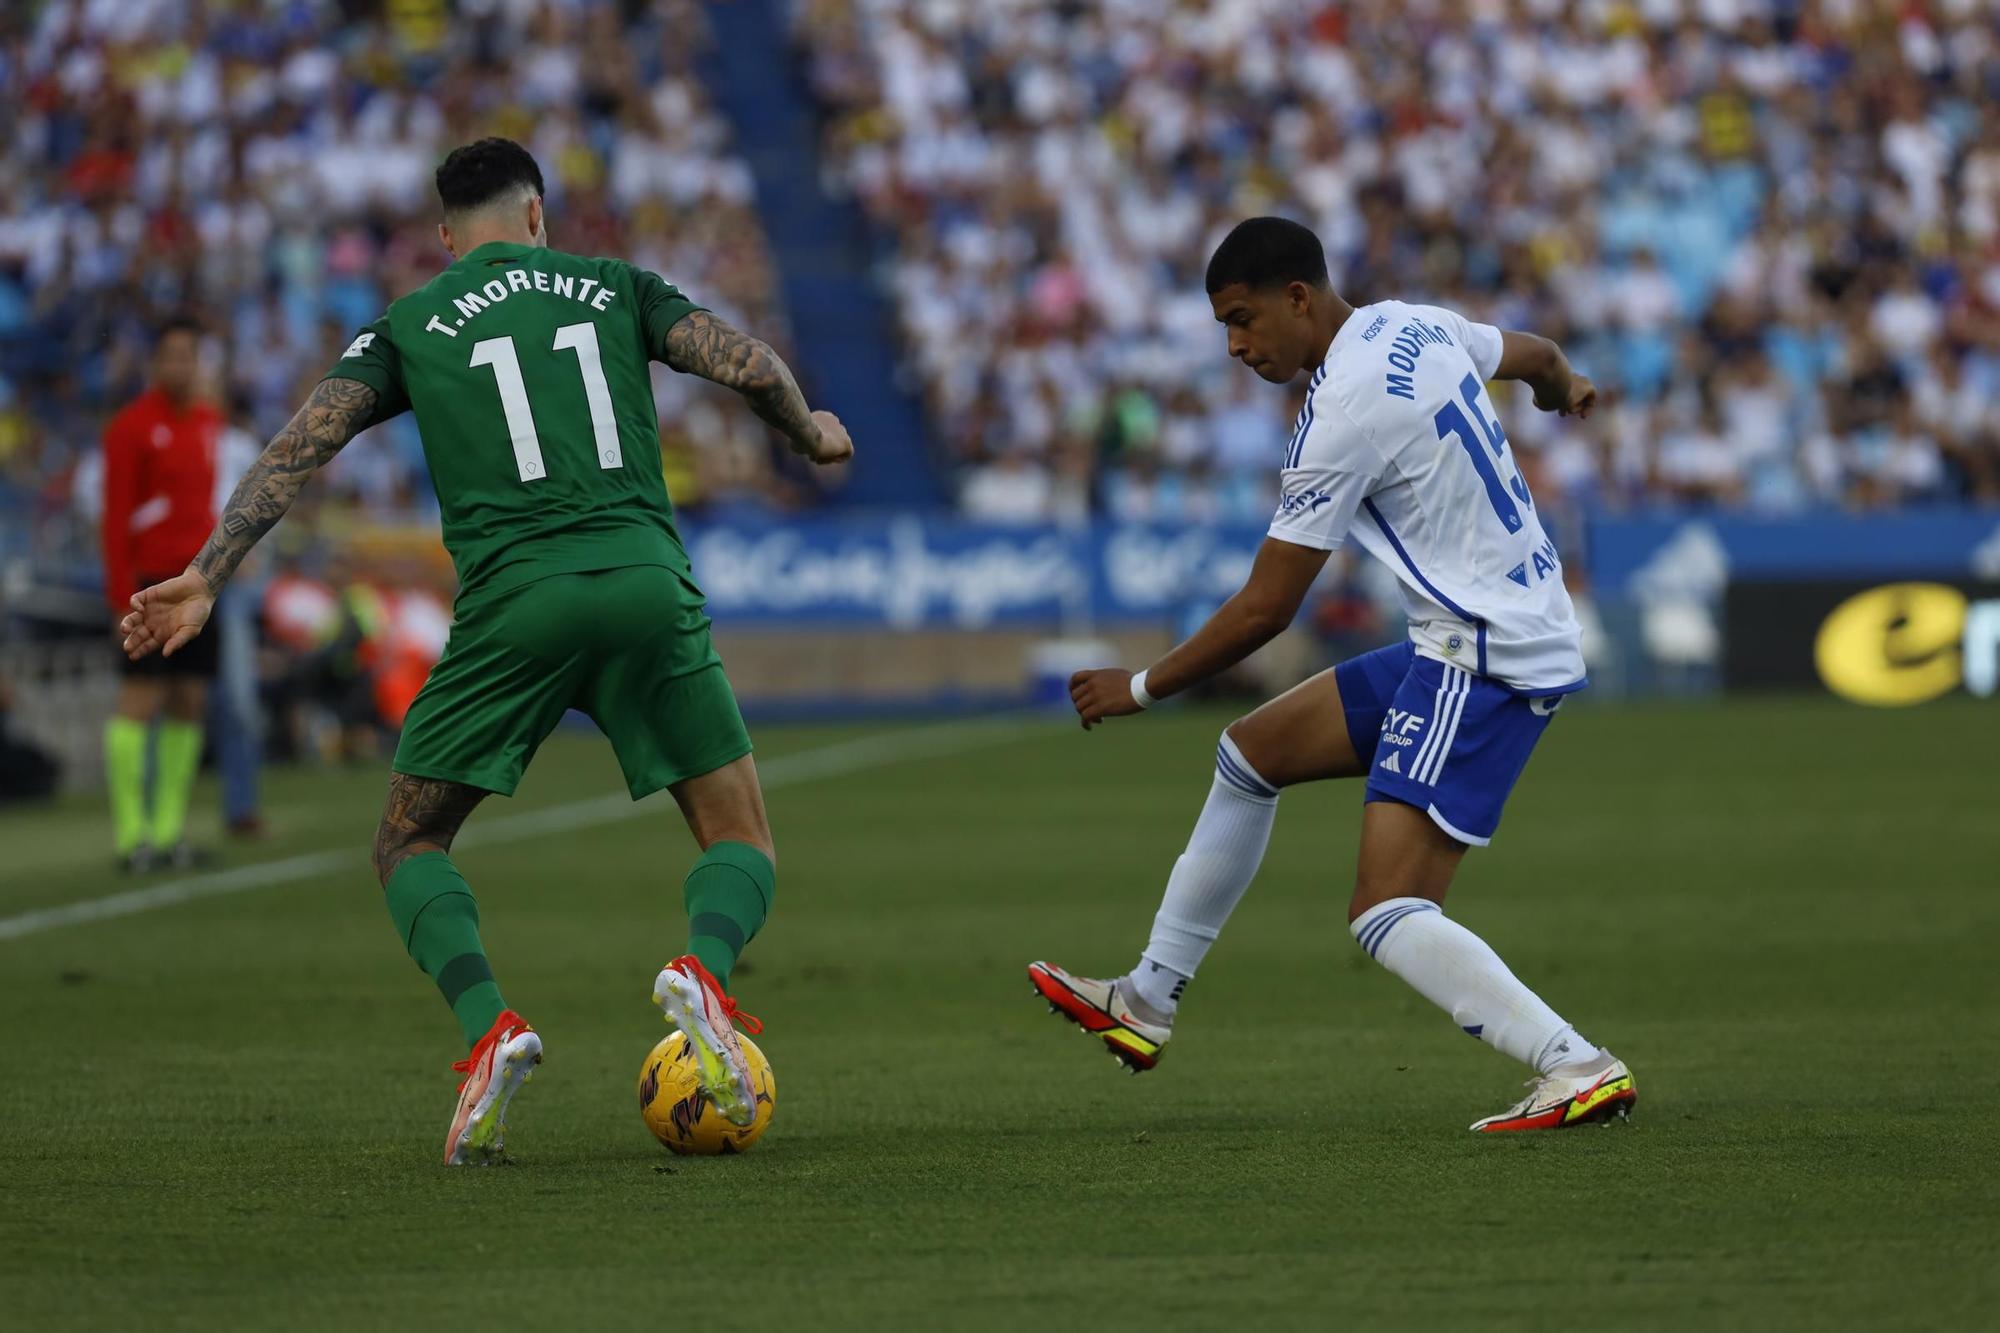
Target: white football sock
(1208, 880)
(1456, 970)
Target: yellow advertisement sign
(1905, 643)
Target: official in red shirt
(159, 505)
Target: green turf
(227, 1113)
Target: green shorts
(629, 647)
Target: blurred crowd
(1770, 228)
(266, 165)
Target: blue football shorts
(1444, 740)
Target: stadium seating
(269, 168)
(1772, 229)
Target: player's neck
(1336, 314)
(475, 237)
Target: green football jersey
(528, 370)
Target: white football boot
(1595, 1092)
(692, 1000)
(1101, 1009)
(494, 1072)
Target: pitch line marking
(786, 770)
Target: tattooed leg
(422, 815)
(430, 902)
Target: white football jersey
(1399, 445)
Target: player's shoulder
(605, 268)
(1421, 326)
(1384, 351)
(1382, 328)
(427, 296)
(613, 272)
(551, 255)
(1434, 314)
(467, 289)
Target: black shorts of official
(196, 660)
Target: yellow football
(680, 1114)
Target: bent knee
(1258, 751)
(394, 846)
(385, 856)
(1379, 879)
(758, 838)
(1368, 894)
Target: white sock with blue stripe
(1459, 973)
(1208, 880)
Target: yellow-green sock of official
(177, 759)
(125, 781)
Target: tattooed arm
(335, 414)
(701, 344)
(168, 615)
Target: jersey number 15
(581, 339)
(1453, 420)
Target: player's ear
(444, 239)
(1301, 295)
(536, 217)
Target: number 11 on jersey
(581, 339)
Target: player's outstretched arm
(1541, 365)
(1257, 613)
(701, 344)
(167, 615)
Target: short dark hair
(1262, 253)
(476, 174)
(180, 321)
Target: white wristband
(1139, 695)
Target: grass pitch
(228, 1112)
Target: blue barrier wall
(912, 572)
(1626, 551)
(909, 573)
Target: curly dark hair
(1262, 253)
(477, 173)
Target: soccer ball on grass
(680, 1114)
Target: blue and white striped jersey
(1399, 445)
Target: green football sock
(176, 761)
(125, 777)
(435, 913)
(728, 894)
